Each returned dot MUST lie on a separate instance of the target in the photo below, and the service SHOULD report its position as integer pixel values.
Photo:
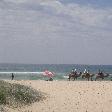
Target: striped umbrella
(48, 73)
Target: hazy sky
(56, 31)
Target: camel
(74, 75)
(101, 75)
(88, 76)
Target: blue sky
(56, 31)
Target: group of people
(74, 71)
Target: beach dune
(71, 96)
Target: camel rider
(99, 72)
(88, 71)
(75, 72)
(85, 71)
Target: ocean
(35, 71)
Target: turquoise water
(34, 71)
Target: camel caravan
(87, 75)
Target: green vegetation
(15, 95)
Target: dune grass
(15, 95)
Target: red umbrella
(48, 73)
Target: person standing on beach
(12, 76)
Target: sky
(56, 31)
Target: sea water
(35, 71)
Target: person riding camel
(85, 71)
(75, 72)
(100, 73)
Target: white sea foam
(21, 72)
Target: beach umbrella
(48, 73)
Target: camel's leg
(91, 79)
(102, 78)
(95, 78)
(76, 78)
(69, 78)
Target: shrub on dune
(18, 95)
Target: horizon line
(56, 64)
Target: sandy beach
(71, 96)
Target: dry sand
(71, 96)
